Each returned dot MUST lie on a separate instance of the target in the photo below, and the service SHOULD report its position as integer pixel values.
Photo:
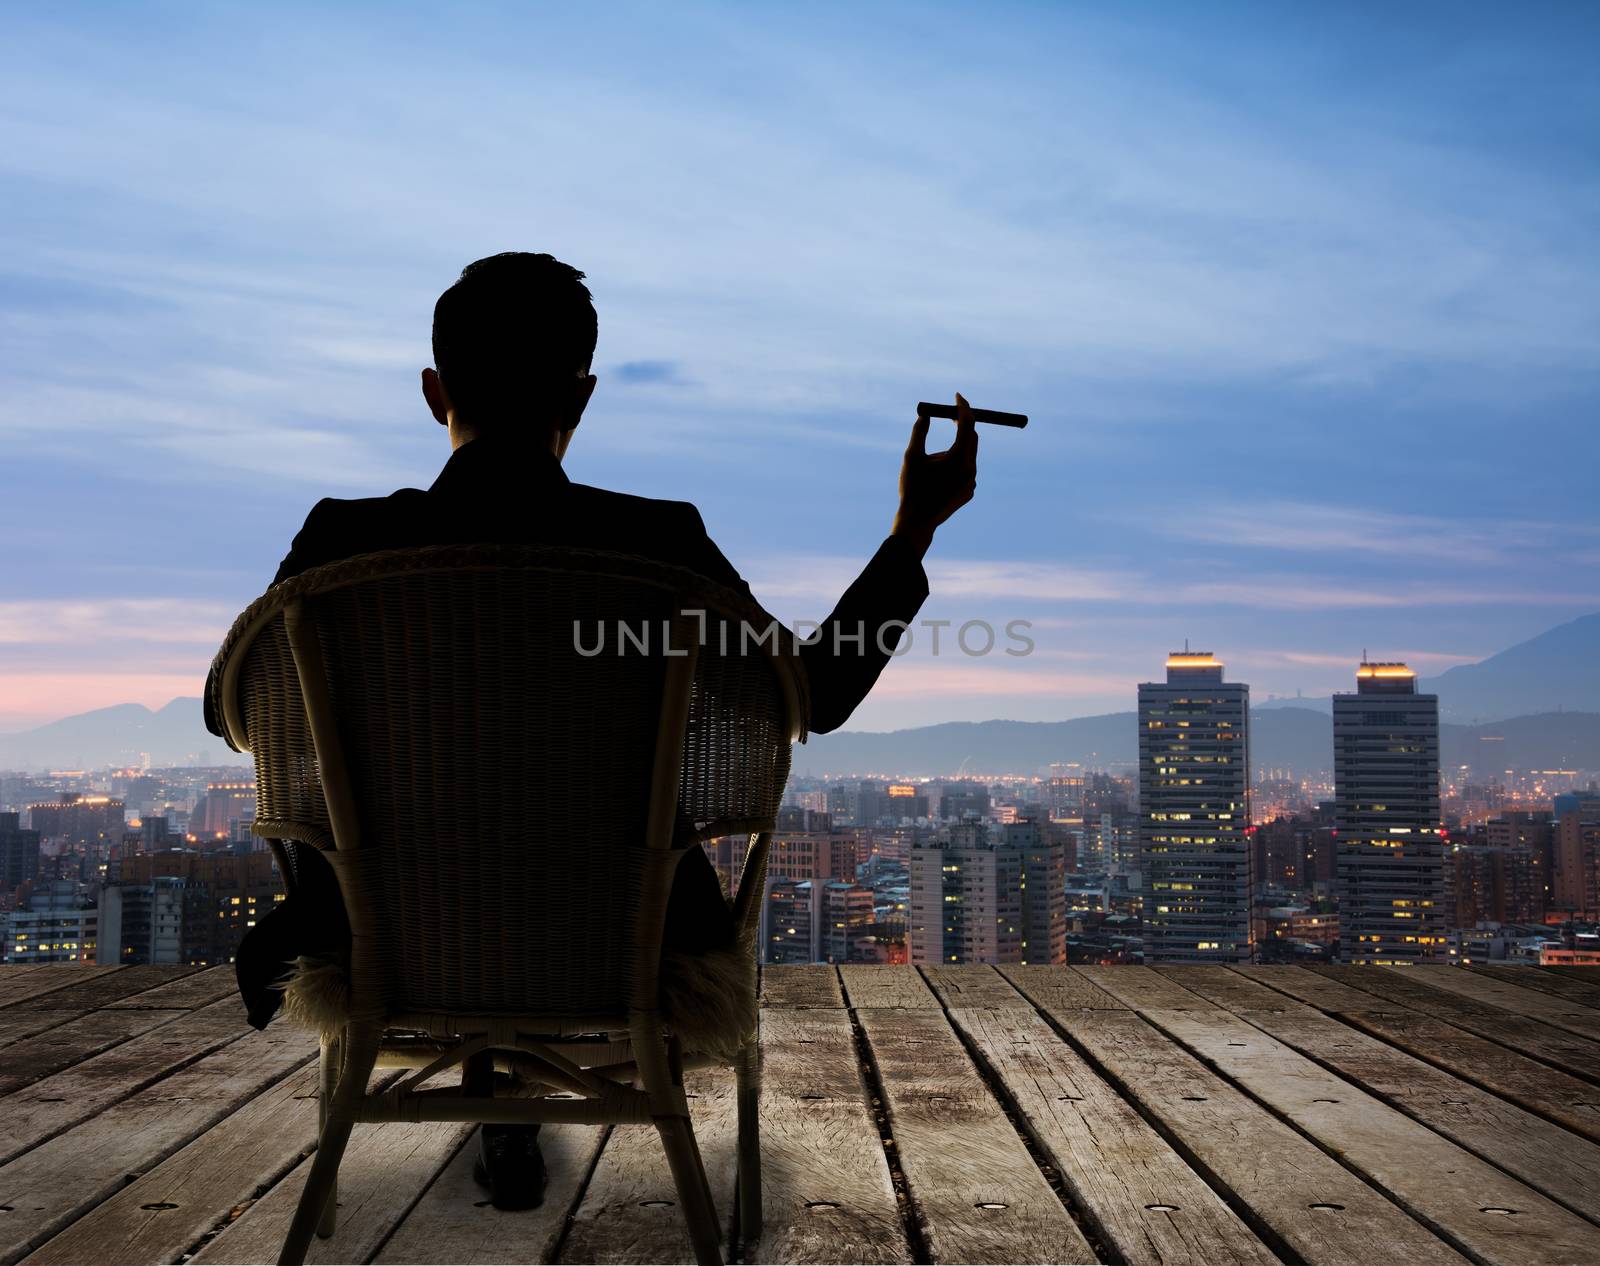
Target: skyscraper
(1393, 875)
(1576, 886)
(19, 853)
(1044, 890)
(1194, 813)
(977, 901)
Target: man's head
(512, 344)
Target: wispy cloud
(1345, 661)
(112, 623)
(1038, 590)
(1312, 527)
(649, 372)
(1307, 593)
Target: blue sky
(1302, 299)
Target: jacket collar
(499, 459)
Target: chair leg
(328, 1082)
(694, 1190)
(318, 1192)
(749, 1105)
(357, 1053)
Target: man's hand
(933, 486)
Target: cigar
(993, 416)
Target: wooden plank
(629, 1211)
(54, 1104)
(16, 1025)
(827, 1195)
(1489, 1214)
(868, 986)
(1558, 1013)
(1226, 988)
(200, 989)
(1566, 1051)
(976, 1193)
(797, 986)
(166, 1212)
(43, 1055)
(454, 1222)
(1059, 989)
(1313, 989)
(187, 992)
(1578, 991)
(103, 987)
(1143, 988)
(1524, 1081)
(1297, 1195)
(42, 979)
(1540, 1153)
(58, 1181)
(973, 986)
(1142, 1198)
(385, 1170)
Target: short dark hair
(515, 330)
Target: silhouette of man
(513, 345)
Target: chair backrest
(490, 759)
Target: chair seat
(708, 1000)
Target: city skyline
(1248, 247)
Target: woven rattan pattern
(499, 770)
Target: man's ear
(437, 397)
(584, 394)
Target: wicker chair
(504, 812)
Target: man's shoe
(511, 1166)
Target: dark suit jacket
(499, 491)
(503, 491)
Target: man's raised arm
(850, 650)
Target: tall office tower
(1495, 885)
(848, 914)
(801, 818)
(1576, 883)
(223, 804)
(1064, 791)
(973, 901)
(818, 855)
(1044, 889)
(1393, 879)
(960, 801)
(59, 925)
(790, 923)
(1194, 813)
(19, 852)
(966, 900)
(76, 819)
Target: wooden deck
(1035, 1114)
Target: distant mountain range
(1297, 740)
(120, 735)
(1533, 706)
(1557, 671)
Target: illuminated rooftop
(1193, 659)
(1389, 669)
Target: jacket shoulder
(627, 505)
